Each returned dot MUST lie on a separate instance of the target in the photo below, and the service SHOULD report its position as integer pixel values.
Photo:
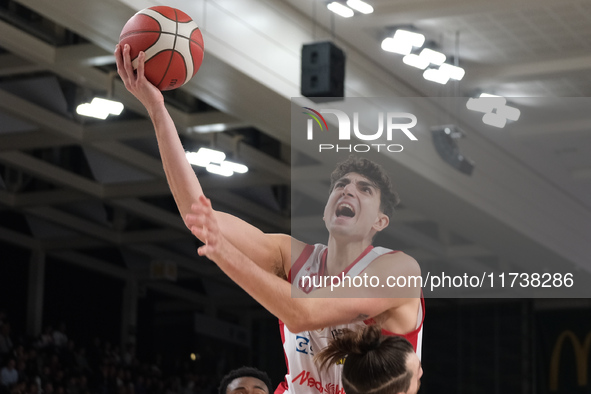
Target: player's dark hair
(373, 363)
(242, 372)
(375, 173)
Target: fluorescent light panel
(110, 106)
(391, 45)
(434, 75)
(360, 6)
(235, 167)
(415, 61)
(340, 9)
(100, 108)
(205, 156)
(454, 72)
(402, 42)
(486, 103)
(219, 170)
(432, 56)
(208, 128)
(412, 38)
(511, 113)
(215, 162)
(495, 120)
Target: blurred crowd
(54, 364)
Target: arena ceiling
(83, 191)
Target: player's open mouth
(345, 210)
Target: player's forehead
(247, 382)
(355, 177)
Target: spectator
(8, 374)
(129, 354)
(3, 317)
(6, 344)
(60, 339)
(48, 388)
(82, 365)
(46, 338)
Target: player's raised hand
(135, 80)
(203, 224)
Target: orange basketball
(172, 42)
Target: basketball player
(360, 202)
(245, 380)
(390, 361)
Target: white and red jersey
(302, 374)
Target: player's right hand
(135, 80)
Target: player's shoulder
(289, 247)
(397, 263)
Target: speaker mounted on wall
(323, 70)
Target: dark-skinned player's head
(245, 380)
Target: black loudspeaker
(323, 70)
(444, 139)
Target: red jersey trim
(299, 263)
(412, 336)
(282, 388)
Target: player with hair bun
(373, 363)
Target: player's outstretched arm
(297, 310)
(181, 178)
(184, 185)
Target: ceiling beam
(92, 264)
(32, 140)
(485, 76)
(13, 65)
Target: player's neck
(342, 253)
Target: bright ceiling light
(204, 156)
(215, 162)
(488, 95)
(495, 120)
(434, 75)
(416, 61)
(208, 128)
(340, 9)
(234, 167)
(432, 56)
(402, 42)
(454, 72)
(391, 45)
(112, 107)
(486, 103)
(87, 109)
(412, 38)
(218, 169)
(495, 108)
(360, 6)
(511, 113)
(100, 108)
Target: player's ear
(381, 222)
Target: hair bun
(370, 339)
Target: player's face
(247, 385)
(413, 364)
(353, 207)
